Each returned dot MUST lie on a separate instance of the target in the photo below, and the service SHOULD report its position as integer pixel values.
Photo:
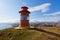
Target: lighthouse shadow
(44, 31)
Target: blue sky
(41, 10)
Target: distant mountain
(58, 22)
(38, 23)
(8, 25)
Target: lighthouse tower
(24, 21)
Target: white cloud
(53, 14)
(9, 21)
(43, 8)
(46, 19)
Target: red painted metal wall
(24, 12)
(24, 23)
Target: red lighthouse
(24, 21)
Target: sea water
(4, 26)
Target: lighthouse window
(24, 17)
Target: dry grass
(13, 34)
(52, 29)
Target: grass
(13, 34)
(52, 29)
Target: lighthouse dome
(23, 7)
